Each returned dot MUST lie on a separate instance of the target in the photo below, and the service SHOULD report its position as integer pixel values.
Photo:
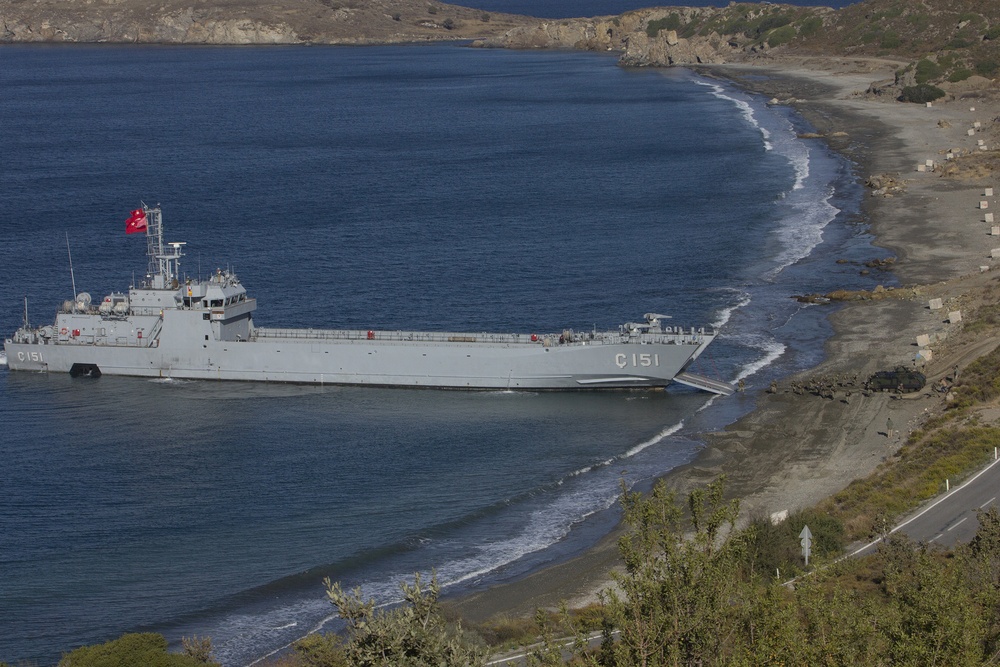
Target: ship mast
(164, 265)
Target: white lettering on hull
(638, 360)
(30, 356)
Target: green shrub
(672, 22)
(810, 26)
(919, 21)
(921, 93)
(780, 36)
(147, 649)
(927, 70)
(772, 22)
(992, 33)
(890, 40)
(987, 68)
(960, 74)
(958, 43)
(320, 650)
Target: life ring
(64, 331)
(371, 335)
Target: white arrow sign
(806, 537)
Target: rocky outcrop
(246, 21)
(642, 38)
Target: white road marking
(959, 523)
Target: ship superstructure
(171, 326)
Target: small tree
(679, 593)
(412, 635)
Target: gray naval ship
(174, 327)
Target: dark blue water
(392, 187)
(575, 8)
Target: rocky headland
(244, 22)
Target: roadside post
(806, 537)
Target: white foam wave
(771, 351)
(801, 230)
(665, 433)
(743, 299)
(744, 108)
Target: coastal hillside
(955, 41)
(246, 21)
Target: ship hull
(310, 358)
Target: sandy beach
(794, 449)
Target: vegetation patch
(921, 93)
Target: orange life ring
(64, 331)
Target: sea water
(415, 187)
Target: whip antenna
(72, 277)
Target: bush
(960, 74)
(890, 40)
(672, 22)
(927, 70)
(320, 650)
(781, 36)
(810, 26)
(921, 94)
(987, 68)
(992, 33)
(147, 649)
(772, 23)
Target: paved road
(952, 517)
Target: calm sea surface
(434, 187)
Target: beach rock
(886, 185)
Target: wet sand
(794, 449)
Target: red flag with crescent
(136, 222)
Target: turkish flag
(136, 222)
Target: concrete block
(983, 148)
(995, 230)
(923, 340)
(949, 156)
(955, 316)
(937, 304)
(980, 141)
(988, 192)
(994, 253)
(984, 204)
(977, 125)
(921, 167)
(929, 105)
(983, 269)
(925, 355)
(987, 217)
(971, 132)
(929, 163)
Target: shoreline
(792, 450)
